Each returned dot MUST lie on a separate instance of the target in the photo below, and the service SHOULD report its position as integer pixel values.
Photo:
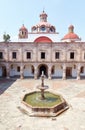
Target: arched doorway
(43, 68)
(4, 74)
(69, 72)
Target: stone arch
(71, 70)
(82, 71)
(28, 70)
(44, 68)
(15, 70)
(53, 69)
(3, 70)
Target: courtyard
(15, 116)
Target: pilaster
(8, 71)
(21, 71)
(64, 72)
(78, 72)
(35, 72)
(49, 72)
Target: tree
(6, 37)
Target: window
(42, 55)
(1, 55)
(28, 55)
(53, 70)
(57, 55)
(14, 55)
(32, 69)
(72, 55)
(11, 66)
(42, 28)
(18, 69)
(52, 29)
(82, 70)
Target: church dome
(23, 28)
(43, 26)
(71, 36)
(43, 39)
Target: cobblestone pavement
(12, 118)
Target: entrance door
(44, 69)
(68, 72)
(3, 71)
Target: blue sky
(61, 13)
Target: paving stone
(12, 92)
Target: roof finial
(71, 29)
(43, 9)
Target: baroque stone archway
(43, 68)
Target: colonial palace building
(38, 51)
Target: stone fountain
(44, 103)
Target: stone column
(21, 72)
(78, 72)
(35, 73)
(49, 72)
(8, 71)
(64, 72)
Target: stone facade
(64, 66)
(28, 58)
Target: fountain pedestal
(42, 87)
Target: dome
(43, 23)
(23, 28)
(43, 39)
(43, 26)
(71, 35)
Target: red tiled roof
(43, 39)
(71, 36)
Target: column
(21, 72)
(64, 72)
(49, 72)
(78, 72)
(8, 71)
(35, 73)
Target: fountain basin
(52, 105)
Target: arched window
(11, 66)
(42, 28)
(53, 70)
(82, 70)
(34, 29)
(32, 69)
(52, 29)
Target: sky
(61, 14)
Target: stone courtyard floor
(13, 118)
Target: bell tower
(43, 17)
(23, 32)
